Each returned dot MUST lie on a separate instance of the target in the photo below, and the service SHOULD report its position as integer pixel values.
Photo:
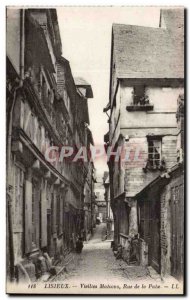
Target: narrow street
(97, 264)
(97, 258)
(95, 149)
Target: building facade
(146, 82)
(166, 245)
(89, 202)
(46, 110)
(109, 213)
(100, 198)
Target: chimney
(172, 19)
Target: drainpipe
(9, 141)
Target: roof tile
(146, 52)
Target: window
(154, 152)
(139, 94)
(140, 100)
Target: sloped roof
(80, 82)
(69, 80)
(146, 52)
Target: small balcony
(140, 104)
(155, 165)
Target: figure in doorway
(79, 245)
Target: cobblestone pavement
(97, 262)
(97, 271)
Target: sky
(86, 42)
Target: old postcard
(95, 150)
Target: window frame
(154, 163)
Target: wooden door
(145, 222)
(154, 247)
(150, 230)
(177, 228)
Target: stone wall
(135, 177)
(169, 217)
(169, 152)
(163, 114)
(165, 231)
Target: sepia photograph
(95, 124)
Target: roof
(79, 81)
(70, 84)
(53, 28)
(161, 180)
(82, 83)
(146, 52)
(58, 43)
(36, 32)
